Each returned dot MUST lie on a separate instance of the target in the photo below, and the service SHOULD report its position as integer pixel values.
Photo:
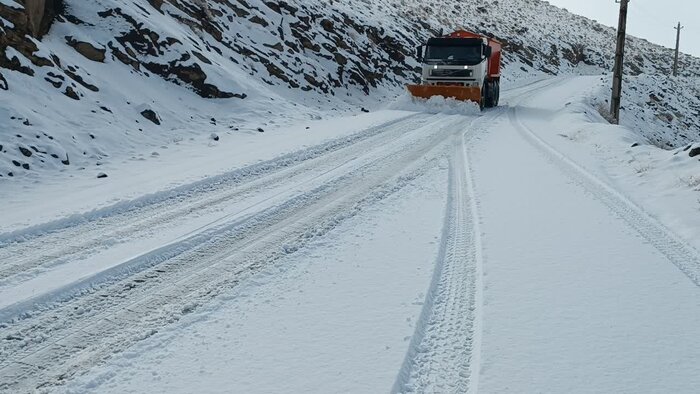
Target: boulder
(87, 50)
(151, 115)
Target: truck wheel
(482, 101)
(490, 94)
(497, 93)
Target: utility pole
(678, 46)
(619, 57)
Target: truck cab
(461, 59)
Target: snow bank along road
(544, 278)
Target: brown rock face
(34, 20)
(41, 14)
(87, 50)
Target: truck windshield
(467, 55)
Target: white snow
(421, 247)
(335, 317)
(575, 300)
(182, 163)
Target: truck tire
(497, 93)
(490, 94)
(482, 101)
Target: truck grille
(450, 73)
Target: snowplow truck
(462, 65)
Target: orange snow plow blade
(457, 92)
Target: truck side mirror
(419, 53)
(487, 51)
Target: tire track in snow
(443, 355)
(85, 330)
(677, 251)
(231, 178)
(28, 258)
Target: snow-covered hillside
(116, 79)
(664, 111)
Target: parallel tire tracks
(23, 254)
(65, 339)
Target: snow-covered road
(583, 290)
(427, 253)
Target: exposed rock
(156, 4)
(56, 84)
(202, 57)
(77, 78)
(71, 93)
(694, 152)
(259, 21)
(340, 59)
(192, 75)
(274, 6)
(575, 55)
(41, 14)
(261, 130)
(278, 46)
(3, 83)
(87, 50)
(26, 152)
(151, 115)
(101, 175)
(15, 65)
(327, 25)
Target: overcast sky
(651, 19)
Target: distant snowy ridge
(113, 79)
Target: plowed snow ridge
(100, 317)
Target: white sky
(651, 19)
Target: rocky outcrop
(41, 14)
(88, 50)
(30, 18)
(151, 115)
(694, 152)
